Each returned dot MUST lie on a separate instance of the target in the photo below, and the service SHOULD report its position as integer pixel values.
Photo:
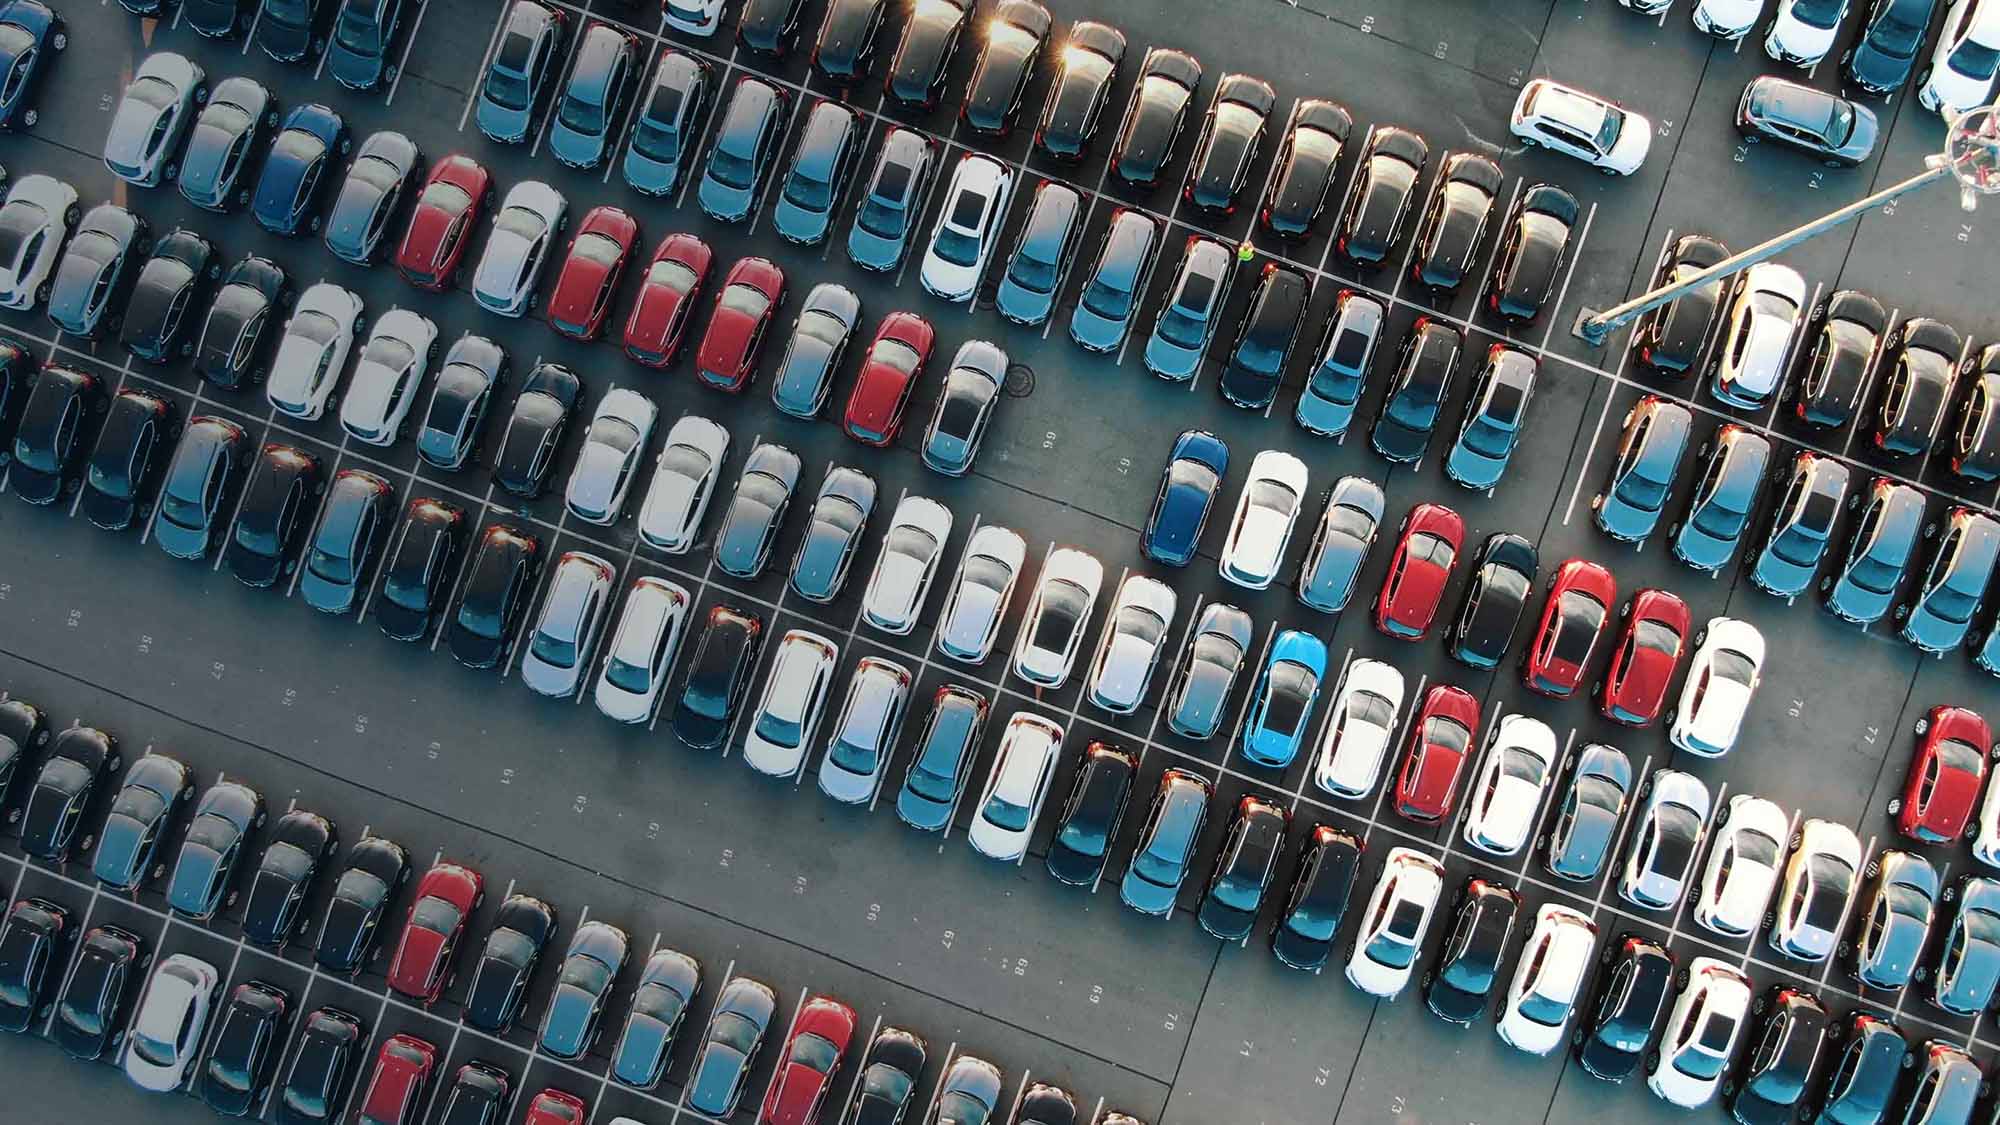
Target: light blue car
(1282, 705)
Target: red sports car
(555, 1107)
(395, 1092)
(805, 1071)
(1635, 686)
(1440, 739)
(1945, 772)
(667, 295)
(888, 376)
(1426, 549)
(744, 309)
(1579, 603)
(447, 210)
(446, 895)
(590, 272)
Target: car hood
(1126, 669)
(714, 1077)
(1512, 813)
(370, 393)
(1717, 720)
(596, 477)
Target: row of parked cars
(167, 1021)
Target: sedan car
(745, 305)
(1947, 597)
(286, 197)
(1840, 132)
(1266, 511)
(1534, 244)
(1164, 852)
(90, 1011)
(587, 280)
(923, 53)
(967, 229)
(937, 772)
(1155, 116)
(149, 801)
(1424, 369)
(1495, 414)
(1548, 981)
(1427, 547)
(684, 477)
(667, 121)
(912, 546)
(1671, 819)
(787, 713)
(1110, 297)
(1820, 877)
(965, 407)
(1722, 677)
(1573, 619)
(535, 428)
(815, 183)
(890, 371)
(226, 142)
(1042, 254)
(763, 493)
(1188, 488)
(369, 196)
(1454, 222)
(132, 447)
(1743, 861)
(864, 734)
(1088, 824)
(747, 139)
(1468, 964)
(1441, 734)
(1916, 387)
(591, 105)
(1302, 178)
(1360, 724)
(1702, 1032)
(1896, 919)
(249, 1038)
(1340, 544)
(96, 270)
(376, 408)
(169, 1020)
(299, 845)
(1397, 917)
(1052, 627)
(1586, 822)
(892, 203)
(668, 986)
(499, 581)
(35, 221)
(612, 445)
(589, 969)
(1602, 134)
(1650, 448)
(563, 639)
(205, 869)
(1086, 67)
(519, 933)
(446, 896)
(520, 71)
(736, 1028)
(1243, 866)
(531, 218)
(1016, 785)
(152, 117)
(48, 444)
(839, 518)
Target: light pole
(1971, 156)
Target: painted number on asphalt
(290, 697)
(578, 806)
(145, 644)
(727, 855)
(1797, 708)
(75, 618)
(652, 830)
(216, 669)
(1871, 735)
(507, 775)
(798, 884)
(946, 940)
(1368, 25)
(874, 912)
(1097, 994)
(1321, 1076)
(1049, 440)
(1173, 1020)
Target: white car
(1727, 19)
(1514, 774)
(1672, 816)
(903, 571)
(1359, 727)
(1052, 628)
(1819, 881)
(1763, 315)
(153, 115)
(1803, 37)
(1986, 842)
(386, 377)
(1961, 70)
(529, 221)
(313, 351)
(1549, 977)
(642, 649)
(1134, 636)
(1266, 511)
(857, 756)
(1701, 1034)
(1750, 834)
(168, 1022)
(694, 17)
(1603, 135)
(987, 572)
(683, 480)
(34, 225)
(1721, 679)
(1015, 788)
(788, 712)
(968, 227)
(564, 638)
(1399, 912)
(612, 446)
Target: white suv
(1962, 66)
(1596, 131)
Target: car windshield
(816, 1053)
(956, 246)
(1186, 319)
(1367, 708)
(315, 326)
(1392, 946)
(287, 860)
(626, 676)
(882, 212)
(1734, 667)
(1446, 733)
(357, 29)
(506, 79)
(1543, 1010)
(435, 914)
(556, 651)
(1755, 847)
(1975, 60)
(587, 974)
(1106, 297)
(729, 169)
(746, 300)
(582, 113)
(446, 197)
(896, 355)
(1522, 766)
(1002, 813)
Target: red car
(1945, 772)
(744, 309)
(1426, 548)
(881, 392)
(447, 210)
(805, 1071)
(667, 294)
(1579, 603)
(1439, 741)
(555, 1107)
(590, 272)
(395, 1094)
(1635, 686)
(445, 896)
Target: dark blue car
(1723, 497)
(1027, 293)
(1880, 60)
(288, 187)
(817, 178)
(1187, 493)
(30, 34)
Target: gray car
(565, 632)
(223, 820)
(857, 755)
(667, 987)
(839, 519)
(987, 573)
(612, 446)
(35, 222)
(1207, 670)
(473, 372)
(763, 492)
(965, 407)
(1897, 913)
(1673, 813)
(820, 335)
(1587, 824)
(369, 195)
(1340, 545)
(153, 115)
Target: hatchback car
(344, 542)
(1534, 244)
(1281, 702)
(1974, 440)
(1781, 1061)
(1109, 301)
(1424, 369)
(447, 210)
(1230, 137)
(132, 447)
(1503, 578)
(1188, 488)
(1846, 337)
(684, 477)
(1129, 649)
(152, 117)
(890, 371)
(1206, 672)
(1675, 336)
(1302, 178)
(668, 985)
(667, 121)
(1586, 822)
(1052, 627)
(31, 34)
(747, 139)
(1042, 252)
(923, 53)
(35, 940)
(1878, 552)
(1670, 821)
(1397, 917)
(514, 943)
(231, 350)
(1840, 132)
(1086, 68)
(1454, 222)
(358, 53)
(1574, 615)
(1548, 980)
(1467, 966)
(273, 515)
(1243, 865)
(285, 200)
(35, 222)
(1896, 919)
(1944, 777)
(204, 872)
(1701, 1033)
(1602, 134)
(1256, 363)
(886, 1085)
(591, 105)
(820, 1033)
(1801, 526)
(521, 70)
(170, 282)
(563, 639)
(746, 303)
(965, 407)
(399, 1084)
(49, 441)
(446, 896)
(937, 771)
(249, 1038)
(530, 219)
(499, 581)
(1340, 544)
(718, 676)
(1506, 796)
(1427, 546)
(1441, 734)
(787, 713)
(169, 1021)
(668, 290)
(149, 800)
(1654, 438)
(1016, 785)
(1088, 824)
(1495, 414)
(1380, 199)
(587, 279)
(1949, 594)
(1155, 116)
(91, 1009)
(391, 366)
(967, 229)
(642, 649)
(1317, 899)
(864, 733)
(814, 184)
(589, 969)
(1165, 849)
(1266, 511)
(1963, 62)
(96, 271)
(1747, 848)
(1732, 478)
(1360, 725)
(1354, 330)
(1764, 311)
(1631, 994)
(1722, 677)
(370, 195)
(1916, 386)
(1015, 37)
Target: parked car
(1317, 901)
(1088, 824)
(1044, 249)
(1190, 311)
(1719, 507)
(1427, 547)
(1257, 360)
(1586, 824)
(979, 593)
(1748, 845)
(746, 303)
(388, 371)
(1211, 657)
(152, 118)
(1016, 785)
(1959, 76)
(519, 933)
(668, 985)
(864, 734)
(1878, 552)
(1632, 993)
(1188, 488)
(1534, 245)
(1670, 822)
(1608, 137)
(1281, 702)
(1897, 914)
(1916, 386)
(912, 546)
(1881, 57)
(1574, 616)
(1165, 849)
(563, 639)
(370, 193)
(78, 760)
(718, 676)
(787, 714)
(1353, 331)
(1722, 677)
(35, 222)
(446, 896)
(1086, 67)
(204, 875)
(1379, 201)
(1110, 296)
(1155, 116)
(1772, 1082)
(1495, 414)
(1360, 725)
(285, 200)
(1702, 1032)
(1634, 688)
(667, 121)
(965, 406)
(1243, 865)
(816, 181)
(169, 1021)
(1675, 336)
(1506, 796)
(923, 55)
(531, 218)
(1397, 917)
(892, 203)
(1441, 735)
(498, 584)
(1315, 135)
(90, 1011)
(1266, 511)
(1052, 627)
(1548, 980)
(587, 280)
(1503, 578)
(967, 228)
(1764, 310)
(1868, 1070)
(1234, 130)
(1129, 649)
(345, 541)
(589, 970)
(1968, 965)
(233, 347)
(1846, 338)
(249, 1038)
(1948, 597)
(521, 71)
(937, 772)
(1650, 448)
(128, 459)
(1424, 367)
(1454, 221)
(319, 1067)
(586, 121)
(1340, 544)
(96, 271)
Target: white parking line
(403, 63)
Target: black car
(474, 372)
(232, 347)
(499, 582)
(286, 28)
(249, 1036)
(24, 729)
(1243, 866)
(1675, 335)
(1868, 1074)
(1975, 436)
(216, 19)
(30, 36)
(124, 467)
(1085, 69)
(718, 676)
(535, 428)
(96, 270)
(1832, 373)
(315, 1081)
(370, 193)
(1314, 137)
(923, 54)
(273, 908)
(226, 143)
(271, 520)
(1155, 116)
(1631, 997)
(418, 572)
(1256, 365)
(888, 1082)
(169, 285)
(1454, 221)
(1772, 1082)
(17, 375)
(1378, 205)
(521, 930)
(373, 869)
(1503, 578)
(1015, 35)
(34, 942)
(79, 759)
(1919, 365)
(90, 1013)
(1533, 246)
(1424, 369)
(358, 53)
(149, 799)
(1317, 901)
(846, 43)
(1237, 116)
(1840, 132)
(1883, 54)
(50, 436)
(477, 1095)
(666, 129)
(1090, 817)
(1457, 986)
(769, 26)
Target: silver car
(787, 713)
(909, 559)
(386, 377)
(1134, 636)
(973, 610)
(857, 756)
(642, 649)
(34, 224)
(1672, 815)
(838, 521)
(565, 633)
(1052, 630)
(619, 429)
(152, 118)
(683, 480)
(965, 407)
(529, 221)
(313, 351)
(1207, 670)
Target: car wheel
(1971, 832)
(201, 94)
(42, 293)
(1721, 814)
(1681, 979)
(115, 763)
(1652, 1060)
(261, 818)
(1728, 1087)
(1895, 805)
(1902, 611)
(1826, 584)
(243, 197)
(313, 225)
(1922, 726)
(168, 172)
